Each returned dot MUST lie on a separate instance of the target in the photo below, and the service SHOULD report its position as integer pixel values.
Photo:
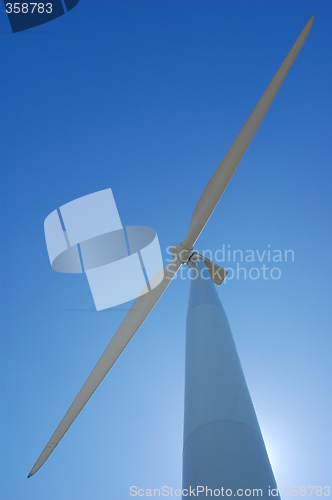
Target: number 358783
(28, 8)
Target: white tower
(222, 445)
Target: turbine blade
(220, 179)
(133, 320)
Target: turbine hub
(179, 250)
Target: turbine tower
(222, 443)
(238, 422)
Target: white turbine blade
(220, 179)
(133, 320)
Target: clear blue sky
(146, 97)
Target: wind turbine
(182, 252)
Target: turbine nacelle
(217, 273)
(189, 257)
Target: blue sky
(146, 98)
